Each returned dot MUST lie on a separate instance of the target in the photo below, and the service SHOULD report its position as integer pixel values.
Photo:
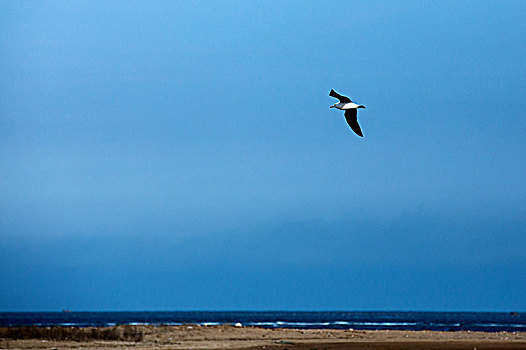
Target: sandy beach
(232, 337)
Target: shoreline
(235, 337)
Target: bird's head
(360, 106)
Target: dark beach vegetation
(121, 333)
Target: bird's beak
(361, 107)
(331, 106)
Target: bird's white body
(345, 106)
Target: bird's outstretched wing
(343, 99)
(351, 115)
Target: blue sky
(182, 155)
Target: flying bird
(351, 111)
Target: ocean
(391, 320)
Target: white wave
(288, 324)
(340, 323)
(384, 323)
(498, 325)
(262, 323)
(284, 323)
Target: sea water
(391, 320)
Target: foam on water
(384, 323)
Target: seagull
(351, 111)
